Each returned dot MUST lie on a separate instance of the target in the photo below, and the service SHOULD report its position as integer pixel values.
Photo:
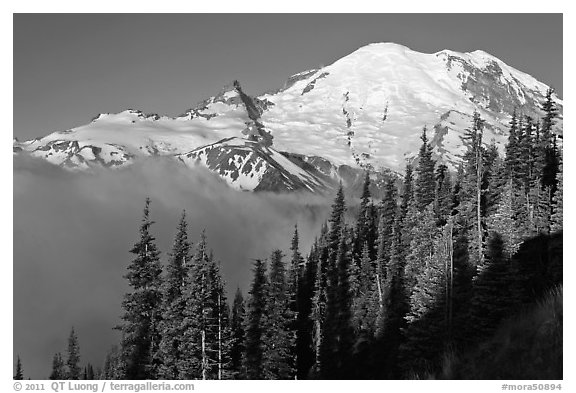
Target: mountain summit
(366, 110)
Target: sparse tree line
(433, 267)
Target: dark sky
(68, 68)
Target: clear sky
(70, 67)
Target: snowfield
(364, 110)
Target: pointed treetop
(423, 137)
(295, 239)
(366, 188)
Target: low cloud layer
(72, 233)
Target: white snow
(415, 89)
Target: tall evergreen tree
(424, 187)
(492, 297)
(407, 190)
(255, 323)
(73, 360)
(421, 247)
(472, 188)
(326, 286)
(551, 154)
(504, 223)
(443, 199)
(365, 223)
(237, 324)
(58, 368)
(205, 340)
(513, 159)
(557, 207)
(142, 305)
(388, 215)
(337, 336)
(173, 305)
(280, 335)
(304, 337)
(426, 320)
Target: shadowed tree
(256, 323)
(142, 304)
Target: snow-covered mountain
(364, 110)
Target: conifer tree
(280, 335)
(424, 186)
(512, 160)
(142, 305)
(337, 335)
(326, 286)
(472, 188)
(558, 208)
(173, 305)
(392, 309)
(73, 360)
(304, 337)
(205, 340)
(504, 224)
(255, 323)
(19, 370)
(237, 324)
(550, 150)
(408, 190)
(426, 324)
(443, 199)
(492, 297)
(58, 368)
(388, 214)
(423, 239)
(365, 222)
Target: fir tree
(425, 182)
(255, 322)
(326, 286)
(142, 305)
(205, 340)
(557, 207)
(408, 191)
(58, 368)
(238, 335)
(388, 214)
(392, 308)
(365, 222)
(304, 336)
(504, 223)
(280, 336)
(471, 194)
(426, 323)
(173, 305)
(337, 335)
(443, 199)
(423, 234)
(19, 370)
(492, 297)
(513, 159)
(551, 154)
(73, 360)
